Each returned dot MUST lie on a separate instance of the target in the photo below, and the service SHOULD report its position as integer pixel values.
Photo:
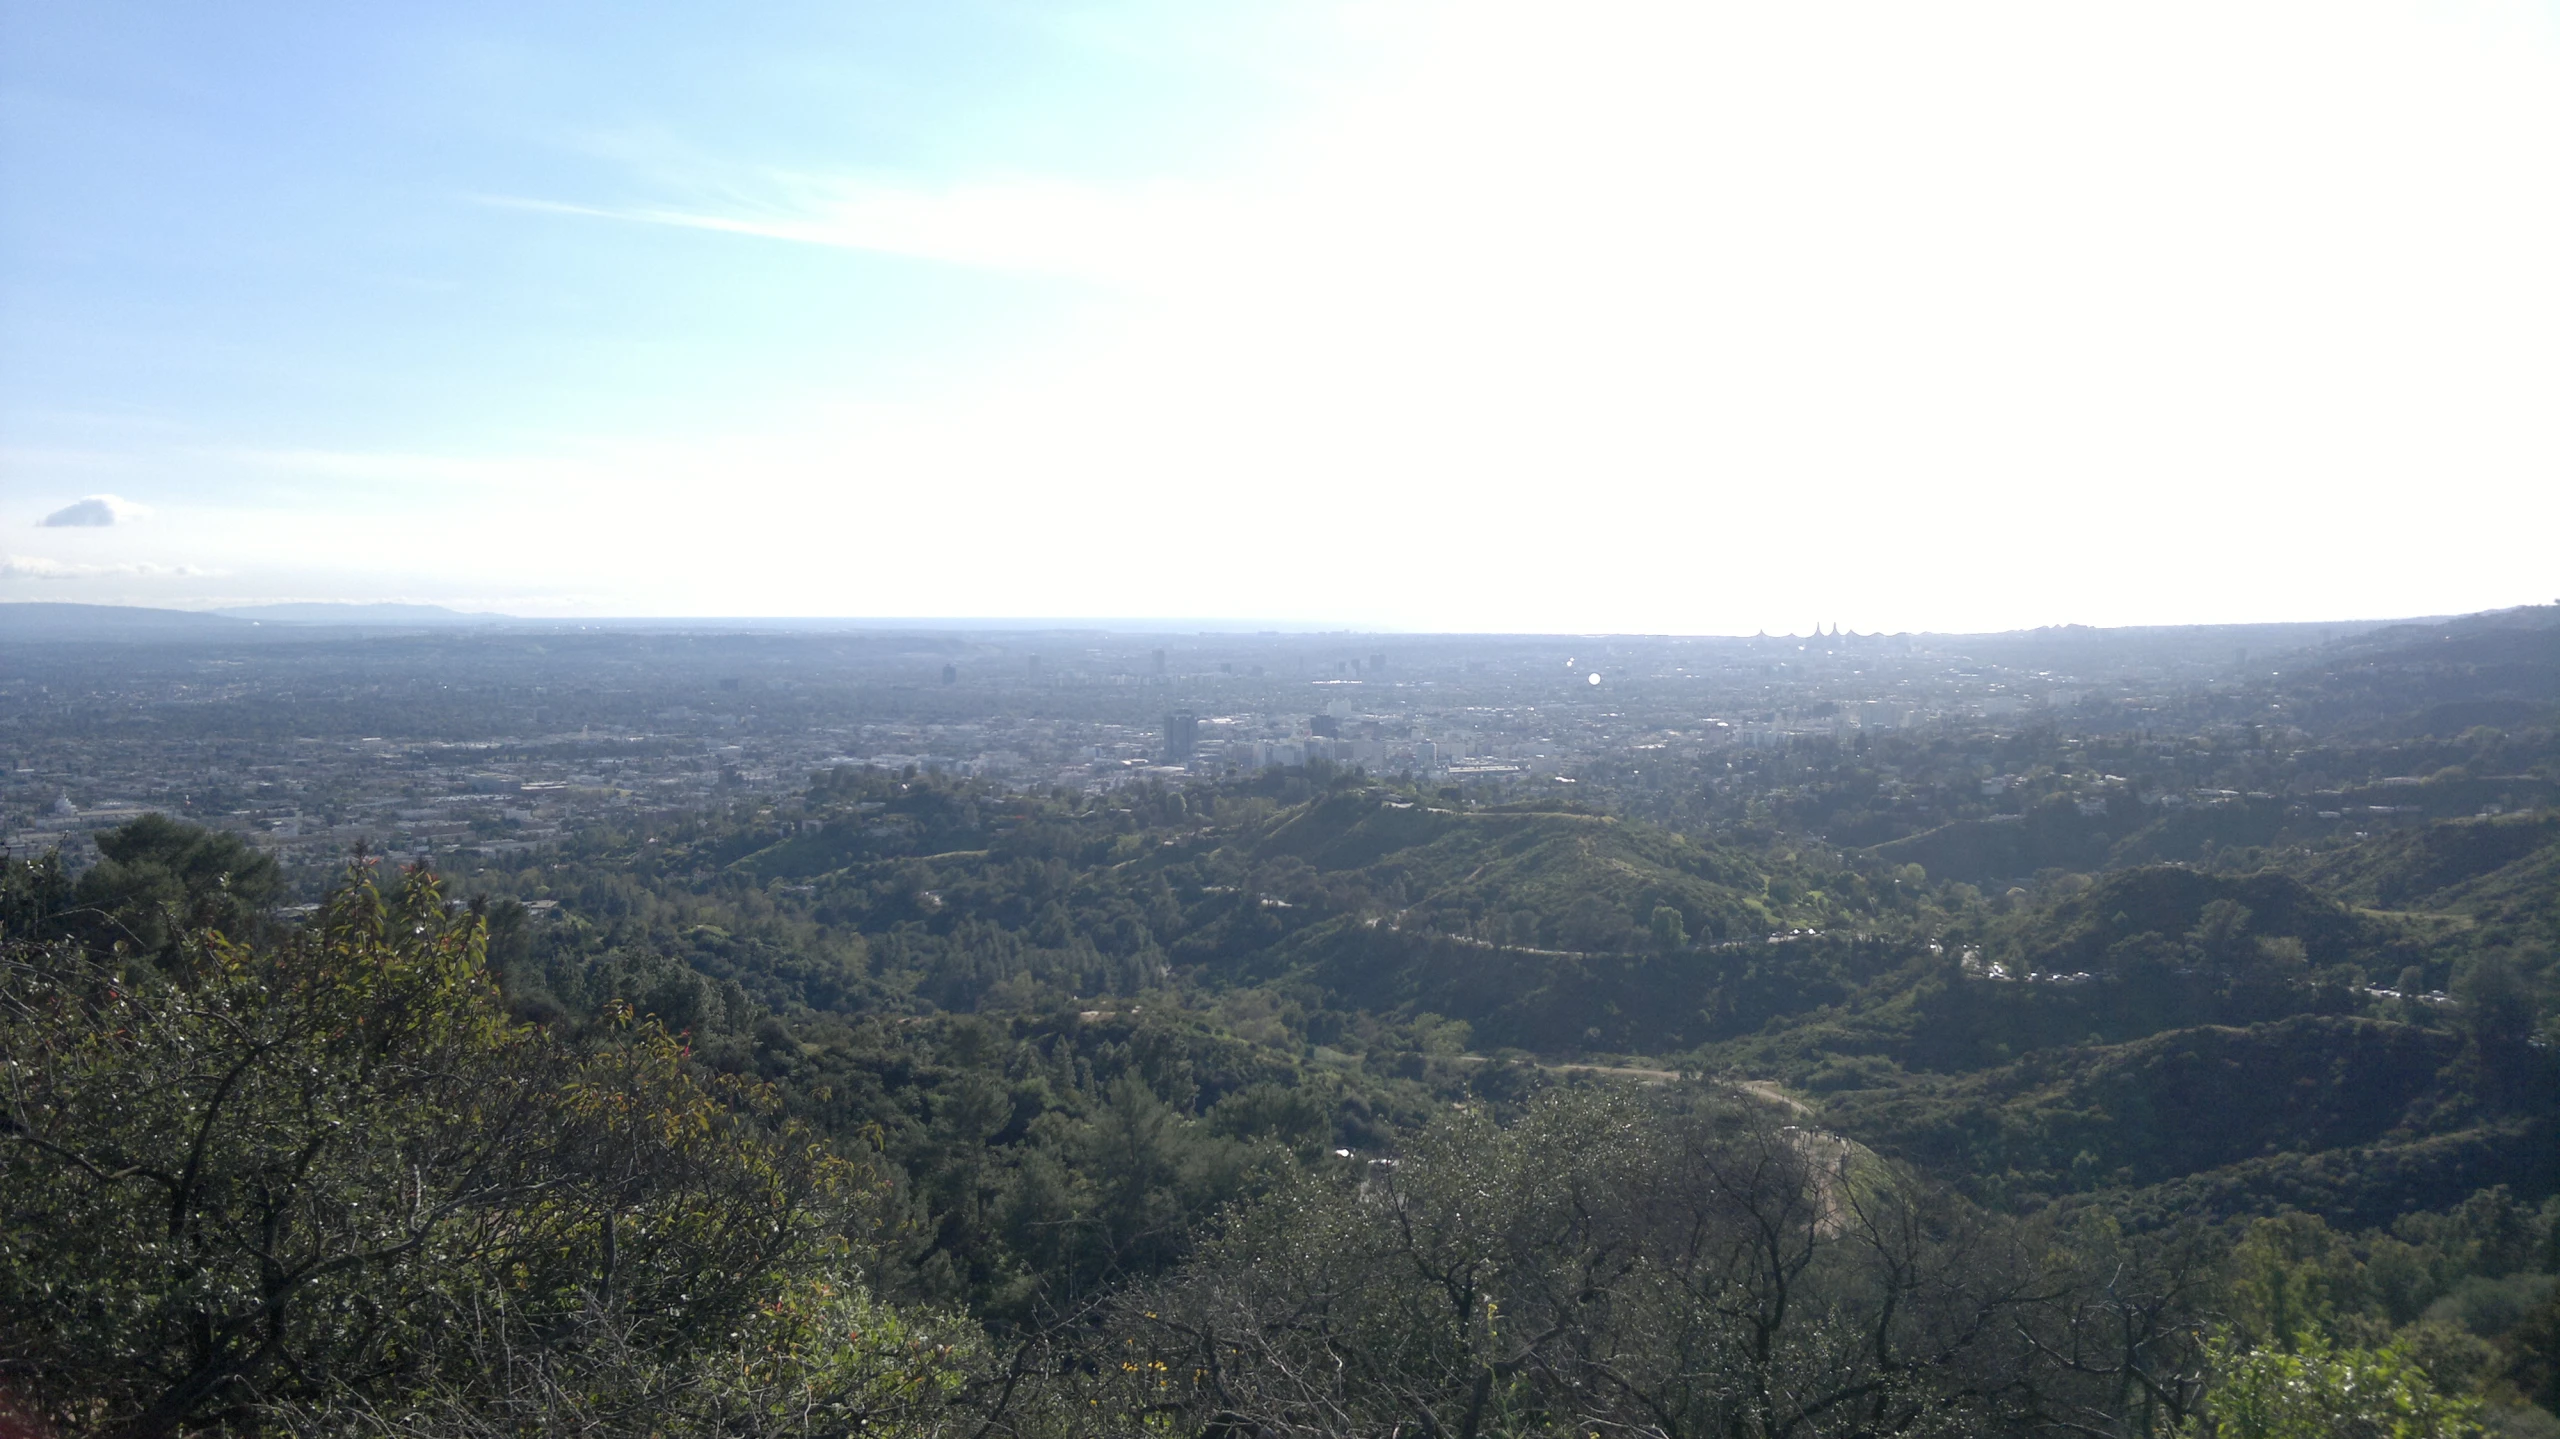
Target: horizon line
(1123, 624)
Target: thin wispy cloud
(1033, 226)
(37, 567)
(391, 468)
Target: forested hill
(1546, 927)
(1376, 929)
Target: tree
(33, 895)
(1605, 1265)
(2313, 1391)
(2125, 1326)
(1670, 931)
(820, 1358)
(158, 879)
(2497, 1022)
(292, 1173)
(2222, 931)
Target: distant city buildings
(1181, 731)
(501, 744)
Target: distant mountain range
(402, 616)
(2065, 646)
(48, 622)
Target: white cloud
(94, 512)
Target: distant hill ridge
(52, 622)
(46, 620)
(26, 620)
(340, 613)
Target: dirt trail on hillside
(1761, 1088)
(1768, 1089)
(1648, 1076)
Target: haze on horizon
(1494, 317)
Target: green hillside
(1558, 879)
(2176, 1105)
(1093, 1056)
(2487, 865)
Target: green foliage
(157, 879)
(1670, 929)
(819, 1358)
(2437, 862)
(2163, 1107)
(34, 893)
(1611, 1265)
(2215, 920)
(571, 1159)
(1050, 1158)
(2312, 1391)
(291, 1173)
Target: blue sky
(307, 227)
(1616, 316)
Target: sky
(1615, 316)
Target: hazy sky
(1659, 317)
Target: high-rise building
(1181, 736)
(1159, 664)
(951, 674)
